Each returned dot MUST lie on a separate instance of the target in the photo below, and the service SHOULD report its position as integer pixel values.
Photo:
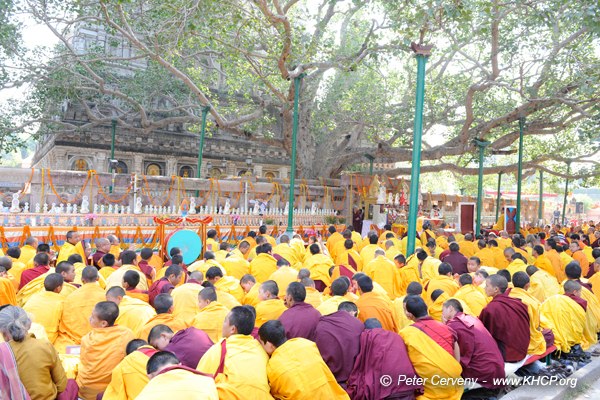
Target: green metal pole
(482, 145)
(541, 200)
(297, 82)
(520, 173)
(564, 217)
(498, 195)
(205, 111)
(371, 166)
(113, 124)
(422, 54)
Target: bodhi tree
(156, 63)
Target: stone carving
(192, 206)
(14, 205)
(138, 206)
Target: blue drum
(188, 241)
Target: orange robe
(7, 292)
(102, 350)
(78, 307)
(372, 305)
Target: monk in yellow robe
(212, 244)
(129, 260)
(78, 306)
(350, 257)
(373, 305)
(391, 251)
(16, 268)
(550, 252)
(46, 307)
(516, 261)
(500, 261)
(211, 315)
(438, 298)
(163, 304)
(7, 287)
(286, 251)
(334, 237)
(28, 251)
(339, 249)
(384, 272)
(443, 280)
(284, 275)
(542, 285)
(313, 296)
(521, 282)
(318, 264)
(368, 252)
(434, 356)
(236, 265)
(339, 289)
(205, 264)
(225, 284)
(595, 279)
(102, 350)
(485, 254)
(170, 377)
(468, 247)
(71, 246)
(264, 264)
(248, 283)
(469, 294)
(244, 367)
(542, 261)
(262, 231)
(413, 289)
(185, 298)
(133, 313)
(270, 306)
(566, 318)
(296, 369)
(580, 257)
(129, 378)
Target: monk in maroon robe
(507, 320)
(189, 345)
(382, 353)
(338, 338)
(300, 319)
(480, 358)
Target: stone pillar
(138, 164)
(171, 166)
(258, 170)
(100, 162)
(283, 173)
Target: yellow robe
(46, 309)
(134, 313)
(116, 278)
(543, 263)
(27, 254)
(221, 255)
(7, 292)
(442, 242)
(343, 259)
(227, 300)
(444, 282)
(368, 253)
(500, 261)
(554, 258)
(210, 320)
(487, 257)
(236, 266)
(407, 274)
(566, 318)
(181, 385)
(251, 298)
(331, 305)
(565, 259)
(595, 282)
(200, 265)
(474, 299)
(185, 301)
(211, 245)
(468, 248)
(318, 265)
(537, 343)
(592, 317)
(245, 366)
(435, 309)
(399, 315)
(286, 251)
(384, 272)
(515, 266)
(169, 320)
(432, 362)
(542, 285)
(115, 250)
(313, 297)
(429, 269)
(340, 250)
(67, 249)
(74, 322)
(102, 350)
(16, 271)
(283, 277)
(263, 266)
(392, 253)
(297, 371)
(229, 284)
(129, 377)
(331, 242)
(267, 310)
(404, 244)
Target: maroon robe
(584, 284)
(97, 257)
(160, 286)
(578, 300)
(300, 320)
(507, 320)
(146, 268)
(189, 345)
(338, 338)
(381, 353)
(438, 332)
(479, 355)
(30, 274)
